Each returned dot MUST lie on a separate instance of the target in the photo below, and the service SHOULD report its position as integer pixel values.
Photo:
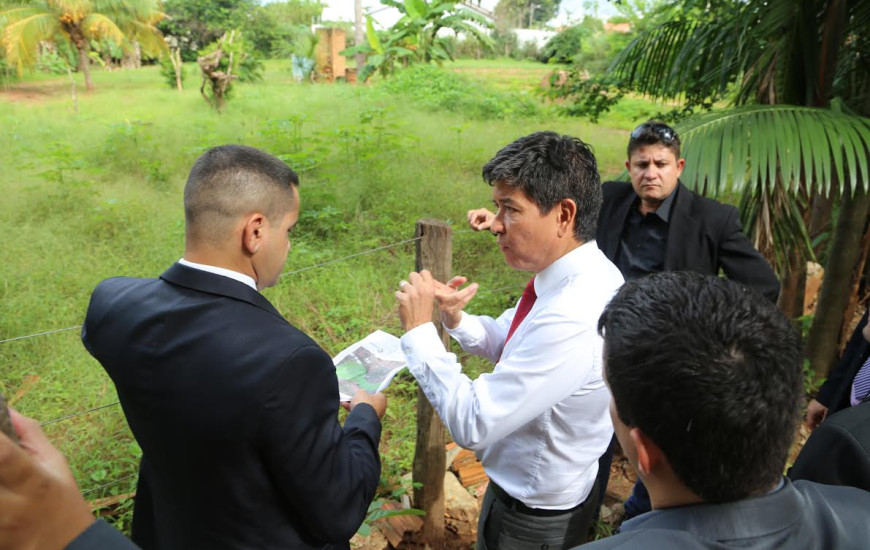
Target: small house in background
(623, 28)
(329, 64)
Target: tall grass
(97, 194)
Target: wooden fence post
(435, 253)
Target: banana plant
(414, 38)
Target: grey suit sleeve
(101, 536)
(838, 453)
(741, 262)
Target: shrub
(564, 47)
(442, 89)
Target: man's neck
(647, 206)
(217, 258)
(570, 246)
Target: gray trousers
(503, 527)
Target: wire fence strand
(80, 413)
(39, 334)
(292, 272)
(355, 255)
(109, 484)
(460, 356)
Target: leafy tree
(796, 75)
(414, 37)
(77, 23)
(198, 23)
(565, 46)
(277, 26)
(521, 14)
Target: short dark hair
(231, 181)
(549, 167)
(711, 372)
(654, 132)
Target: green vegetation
(414, 37)
(73, 24)
(98, 194)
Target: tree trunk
(791, 296)
(84, 64)
(820, 219)
(843, 255)
(358, 34)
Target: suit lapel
(219, 285)
(620, 213)
(680, 225)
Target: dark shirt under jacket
(799, 516)
(644, 241)
(704, 236)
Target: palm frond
(751, 146)
(76, 10)
(150, 38)
(98, 26)
(694, 59)
(25, 29)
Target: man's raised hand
(480, 219)
(416, 298)
(451, 300)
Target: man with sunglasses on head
(657, 224)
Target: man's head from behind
(706, 373)
(546, 184)
(239, 203)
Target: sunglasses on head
(663, 131)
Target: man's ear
(649, 455)
(567, 211)
(254, 232)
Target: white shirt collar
(240, 277)
(571, 263)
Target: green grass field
(97, 194)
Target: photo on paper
(369, 364)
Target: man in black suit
(837, 393)
(838, 451)
(234, 408)
(707, 393)
(656, 224)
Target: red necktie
(523, 308)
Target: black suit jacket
(236, 413)
(703, 236)
(838, 451)
(836, 392)
(799, 516)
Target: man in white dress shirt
(540, 420)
